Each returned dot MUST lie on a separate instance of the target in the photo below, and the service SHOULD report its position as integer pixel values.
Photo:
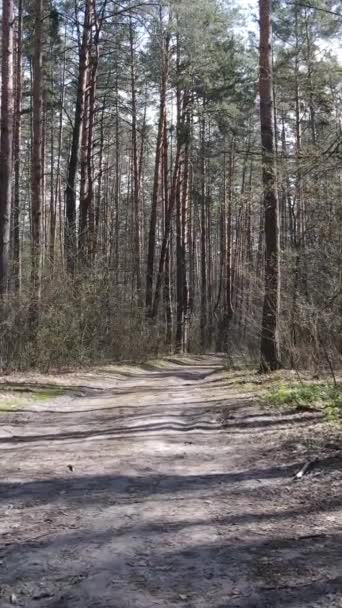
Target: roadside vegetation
(13, 397)
(306, 396)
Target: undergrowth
(323, 396)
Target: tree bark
(6, 140)
(167, 229)
(57, 183)
(204, 302)
(37, 157)
(117, 183)
(270, 352)
(70, 193)
(167, 283)
(157, 174)
(184, 258)
(135, 169)
(16, 155)
(94, 61)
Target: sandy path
(181, 494)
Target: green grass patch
(32, 390)
(17, 397)
(323, 396)
(46, 394)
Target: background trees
(133, 193)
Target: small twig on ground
(306, 468)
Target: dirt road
(180, 494)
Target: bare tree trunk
(6, 140)
(135, 167)
(37, 157)
(227, 248)
(117, 183)
(57, 188)
(220, 338)
(165, 189)
(83, 201)
(229, 305)
(270, 352)
(310, 77)
(297, 234)
(101, 197)
(156, 182)
(209, 260)
(16, 155)
(90, 172)
(44, 215)
(87, 227)
(167, 229)
(184, 235)
(94, 61)
(70, 193)
(204, 303)
(179, 268)
(52, 215)
(179, 244)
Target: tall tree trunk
(117, 183)
(94, 61)
(16, 154)
(204, 303)
(298, 234)
(6, 140)
(227, 230)
(270, 352)
(101, 195)
(185, 262)
(52, 223)
(44, 215)
(70, 193)
(135, 169)
(167, 229)
(179, 244)
(83, 199)
(56, 182)
(87, 230)
(37, 157)
(157, 173)
(310, 76)
(179, 267)
(165, 190)
(220, 338)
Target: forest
(168, 184)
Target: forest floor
(181, 493)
